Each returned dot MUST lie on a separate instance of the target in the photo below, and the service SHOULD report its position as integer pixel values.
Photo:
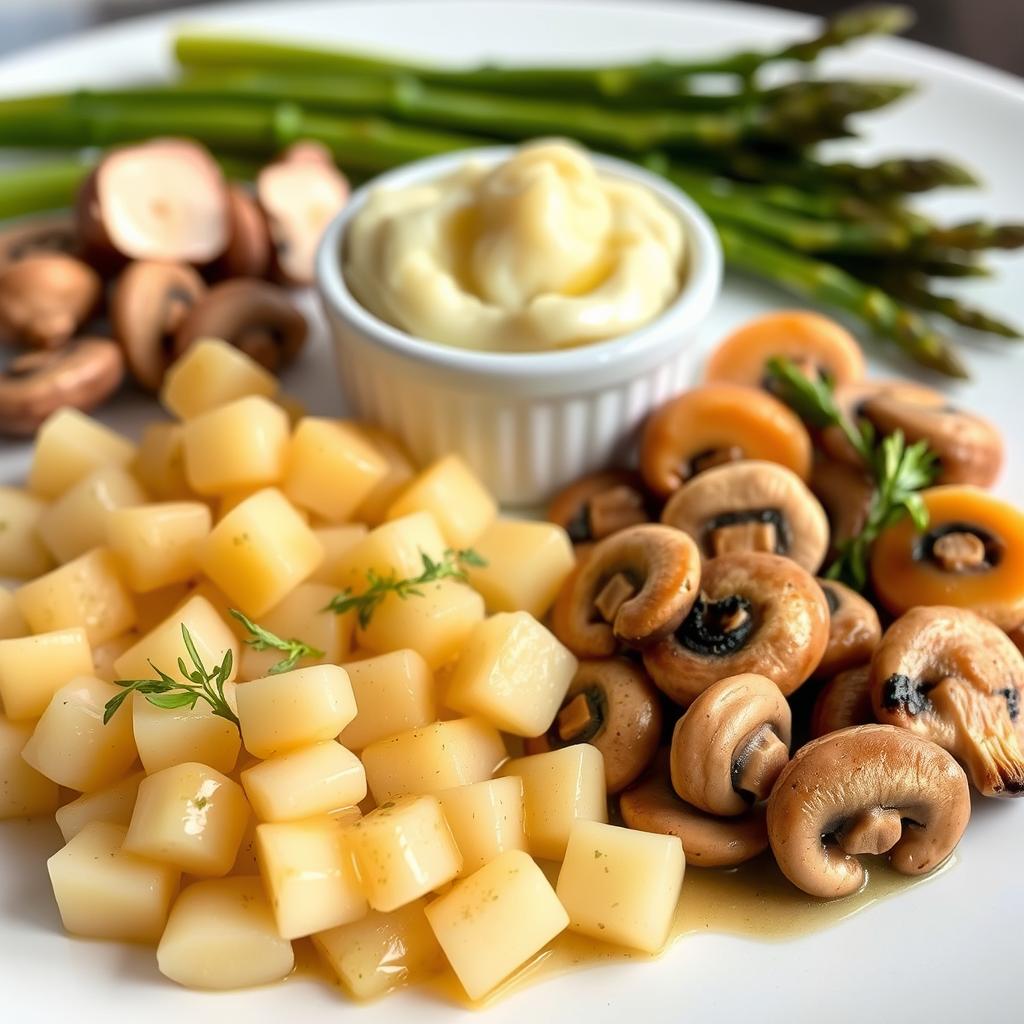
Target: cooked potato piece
(24, 792)
(486, 819)
(22, 554)
(494, 921)
(393, 693)
(210, 374)
(310, 876)
(113, 805)
(71, 745)
(12, 622)
(403, 850)
(87, 591)
(159, 464)
(190, 816)
(105, 892)
(245, 862)
(337, 542)
(152, 607)
(170, 736)
(434, 757)
(158, 545)
(621, 886)
(374, 507)
(513, 673)
(104, 656)
(34, 668)
(559, 788)
(260, 551)
(69, 446)
(381, 952)
(221, 935)
(283, 712)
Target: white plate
(943, 952)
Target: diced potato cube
(559, 787)
(113, 805)
(337, 542)
(245, 862)
(621, 886)
(210, 374)
(330, 468)
(190, 816)
(34, 668)
(171, 736)
(241, 444)
(374, 507)
(304, 783)
(403, 850)
(104, 656)
(512, 672)
(486, 819)
(157, 545)
(380, 952)
(221, 935)
(72, 746)
(87, 591)
(435, 757)
(260, 551)
(293, 406)
(310, 876)
(494, 921)
(24, 792)
(12, 622)
(69, 446)
(294, 709)
(393, 693)
(159, 464)
(152, 607)
(105, 892)
(22, 554)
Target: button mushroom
(729, 747)
(952, 677)
(971, 555)
(249, 251)
(600, 504)
(844, 701)
(755, 613)
(751, 506)
(49, 234)
(716, 424)
(845, 492)
(872, 789)
(854, 630)
(612, 705)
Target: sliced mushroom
(38, 236)
(149, 303)
(716, 424)
(600, 504)
(33, 385)
(845, 492)
(854, 630)
(872, 789)
(249, 250)
(255, 316)
(952, 677)
(755, 613)
(844, 701)
(751, 506)
(729, 747)
(45, 298)
(612, 705)
(971, 556)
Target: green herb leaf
(263, 639)
(170, 701)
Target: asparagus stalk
(36, 188)
(975, 235)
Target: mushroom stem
(614, 510)
(761, 760)
(613, 595)
(875, 830)
(574, 719)
(959, 551)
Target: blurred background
(991, 31)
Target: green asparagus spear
(35, 188)
(974, 235)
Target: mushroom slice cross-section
(600, 504)
(854, 629)
(844, 701)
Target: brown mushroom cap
(845, 492)
(951, 676)
(844, 701)
(854, 630)
(54, 233)
(612, 705)
(249, 250)
(751, 506)
(600, 504)
(729, 747)
(632, 588)
(871, 789)
(755, 613)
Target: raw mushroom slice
(845, 492)
(954, 678)
(844, 701)
(600, 504)
(54, 233)
(873, 789)
(249, 250)
(853, 632)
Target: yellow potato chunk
(221, 935)
(171, 736)
(87, 591)
(393, 693)
(513, 673)
(283, 712)
(159, 463)
(34, 668)
(486, 819)
(309, 874)
(559, 788)
(304, 783)
(157, 545)
(105, 892)
(69, 446)
(435, 757)
(375, 505)
(245, 862)
(495, 920)
(241, 444)
(22, 554)
(152, 607)
(190, 816)
(24, 792)
(71, 745)
(330, 468)
(403, 850)
(621, 886)
(260, 551)
(213, 373)
(12, 622)
(113, 805)
(337, 542)
(104, 656)
(448, 489)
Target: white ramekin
(528, 423)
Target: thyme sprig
(263, 639)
